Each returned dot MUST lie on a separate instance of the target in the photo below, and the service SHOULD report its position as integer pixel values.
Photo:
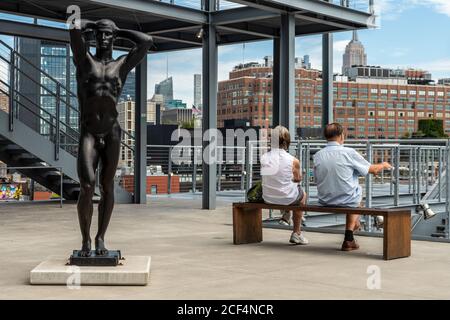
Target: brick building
(370, 107)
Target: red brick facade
(368, 110)
(159, 181)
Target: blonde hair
(284, 137)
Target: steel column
(276, 83)
(210, 61)
(327, 79)
(287, 73)
(140, 146)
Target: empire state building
(354, 54)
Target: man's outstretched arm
(143, 43)
(377, 168)
(78, 42)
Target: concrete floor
(193, 257)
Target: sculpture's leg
(86, 166)
(109, 157)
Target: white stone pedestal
(134, 271)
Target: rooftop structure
(206, 25)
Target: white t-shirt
(277, 177)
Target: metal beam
(160, 9)
(252, 29)
(311, 29)
(210, 71)
(173, 46)
(182, 38)
(168, 26)
(245, 14)
(287, 72)
(140, 146)
(317, 7)
(323, 21)
(35, 31)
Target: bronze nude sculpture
(100, 80)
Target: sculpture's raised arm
(78, 42)
(143, 43)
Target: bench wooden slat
(343, 210)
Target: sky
(411, 33)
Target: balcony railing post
(368, 219)
(419, 174)
(397, 176)
(169, 172)
(243, 169)
(58, 119)
(371, 6)
(414, 175)
(194, 170)
(219, 166)
(248, 167)
(299, 153)
(440, 174)
(307, 169)
(447, 189)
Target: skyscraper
(165, 88)
(198, 90)
(55, 60)
(354, 55)
(129, 89)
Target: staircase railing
(64, 135)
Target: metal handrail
(42, 86)
(38, 69)
(55, 128)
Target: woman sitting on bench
(281, 174)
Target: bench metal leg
(247, 225)
(397, 235)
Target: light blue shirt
(336, 170)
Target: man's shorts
(300, 196)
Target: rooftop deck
(193, 257)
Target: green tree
(432, 128)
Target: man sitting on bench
(336, 170)
(281, 174)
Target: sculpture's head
(105, 34)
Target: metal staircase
(35, 137)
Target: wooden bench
(247, 224)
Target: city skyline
(393, 45)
